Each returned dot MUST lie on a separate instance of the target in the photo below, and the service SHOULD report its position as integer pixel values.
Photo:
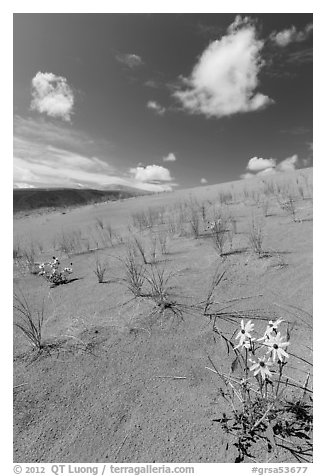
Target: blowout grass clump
(100, 270)
(256, 237)
(134, 273)
(220, 232)
(29, 322)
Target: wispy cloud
(297, 130)
(300, 57)
(37, 165)
(291, 35)
(225, 78)
(156, 107)
(52, 96)
(170, 157)
(22, 185)
(50, 154)
(42, 165)
(153, 83)
(57, 134)
(157, 80)
(286, 63)
(287, 50)
(129, 59)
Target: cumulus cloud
(289, 163)
(269, 171)
(130, 60)
(225, 79)
(257, 164)
(249, 175)
(52, 96)
(170, 158)
(151, 173)
(203, 180)
(156, 107)
(291, 35)
(259, 167)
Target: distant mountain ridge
(29, 199)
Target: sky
(160, 101)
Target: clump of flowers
(257, 391)
(264, 353)
(52, 272)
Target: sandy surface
(114, 397)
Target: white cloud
(38, 164)
(153, 83)
(48, 154)
(291, 35)
(170, 158)
(151, 173)
(225, 78)
(22, 185)
(156, 107)
(247, 175)
(52, 95)
(307, 162)
(203, 180)
(41, 165)
(289, 163)
(268, 171)
(259, 167)
(41, 130)
(130, 60)
(256, 164)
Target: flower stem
(246, 372)
(279, 376)
(266, 389)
